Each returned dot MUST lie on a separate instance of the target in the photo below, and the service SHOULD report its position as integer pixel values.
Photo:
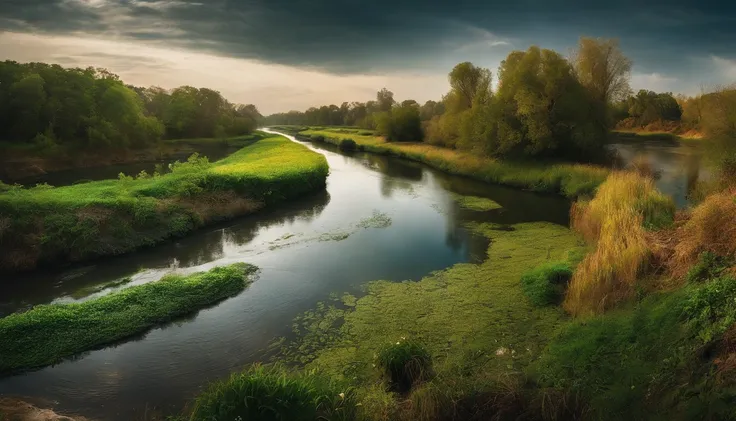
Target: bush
(545, 284)
(273, 393)
(709, 266)
(318, 138)
(711, 309)
(405, 364)
(347, 145)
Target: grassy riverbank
(493, 340)
(47, 334)
(47, 225)
(571, 180)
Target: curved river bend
(306, 249)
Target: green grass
(658, 359)
(474, 321)
(47, 334)
(545, 284)
(405, 363)
(571, 180)
(274, 394)
(47, 225)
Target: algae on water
(476, 203)
(377, 220)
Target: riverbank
(18, 163)
(47, 334)
(638, 135)
(53, 225)
(570, 180)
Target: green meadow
(47, 225)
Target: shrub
(273, 393)
(614, 221)
(711, 309)
(709, 266)
(405, 364)
(545, 284)
(347, 145)
(318, 138)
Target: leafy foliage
(46, 334)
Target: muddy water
(307, 250)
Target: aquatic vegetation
(615, 221)
(571, 180)
(275, 393)
(464, 314)
(47, 334)
(377, 220)
(46, 225)
(545, 284)
(476, 203)
(405, 363)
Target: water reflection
(678, 166)
(301, 264)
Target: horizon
(291, 57)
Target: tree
(401, 124)
(466, 80)
(543, 108)
(603, 69)
(385, 100)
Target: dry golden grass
(711, 227)
(614, 221)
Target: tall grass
(615, 221)
(275, 394)
(710, 228)
(405, 364)
(51, 225)
(571, 180)
(48, 333)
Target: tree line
(544, 105)
(47, 105)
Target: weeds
(48, 333)
(274, 393)
(405, 364)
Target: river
(307, 250)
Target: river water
(307, 250)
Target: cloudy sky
(283, 55)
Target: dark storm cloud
(355, 36)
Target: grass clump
(615, 221)
(47, 334)
(47, 225)
(545, 284)
(405, 364)
(274, 394)
(571, 180)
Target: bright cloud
(273, 88)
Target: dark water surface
(306, 249)
(679, 166)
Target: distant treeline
(544, 105)
(48, 105)
(712, 113)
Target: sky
(289, 55)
